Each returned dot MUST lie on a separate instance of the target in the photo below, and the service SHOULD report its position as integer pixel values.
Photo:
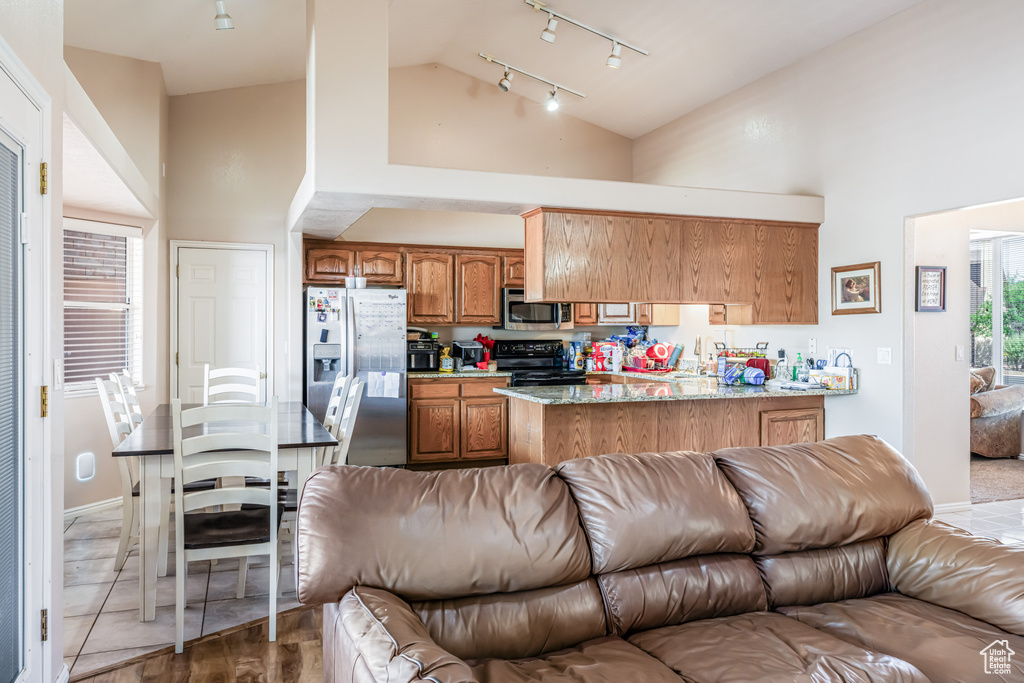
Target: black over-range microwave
(518, 314)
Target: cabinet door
(784, 427)
(429, 278)
(381, 267)
(513, 271)
(329, 265)
(730, 314)
(485, 427)
(785, 275)
(644, 314)
(616, 314)
(584, 314)
(716, 262)
(434, 429)
(478, 289)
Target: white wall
(443, 118)
(914, 115)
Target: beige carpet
(995, 479)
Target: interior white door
(22, 517)
(222, 314)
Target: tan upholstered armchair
(995, 416)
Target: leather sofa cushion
(809, 577)
(682, 590)
(763, 646)
(655, 507)
(437, 535)
(604, 660)
(944, 644)
(514, 625)
(392, 642)
(946, 566)
(829, 493)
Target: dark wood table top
(296, 428)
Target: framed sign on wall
(931, 289)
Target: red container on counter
(603, 355)
(761, 364)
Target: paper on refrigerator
(383, 385)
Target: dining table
(300, 438)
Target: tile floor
(1002, 520)
(101, 605)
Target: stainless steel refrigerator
(360, 332)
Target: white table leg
(149, 534)
(304, 466)
(165, 514)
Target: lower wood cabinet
(799, 425)
(457, 419)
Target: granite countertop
(650, 376)
(676, 390)
(413, 374)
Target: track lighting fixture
(548, 34)
(552, 103)
(614, 60)
(223, 20)
(505, 83)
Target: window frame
(135, 285)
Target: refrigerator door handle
(350, 335)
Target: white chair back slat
(222, 415)
(249, 464)
(231, 385)
(338, 398)
(126, 385)
(229, 440)
(339, 453)
(233, 495)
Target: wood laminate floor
(239, 655)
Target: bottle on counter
(447, 362)
(796, 367)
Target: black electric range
(535, 363)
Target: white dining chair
(205, 448)
(119, 425)
(338, 455)
(231, 385)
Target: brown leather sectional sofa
(814, 562)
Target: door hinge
(44, 624)
(44, 401)
(42, 178)
(175, 358)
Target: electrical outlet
(812, 345)
(884, 355)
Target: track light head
(615, 58)
(552, 104)
(223, 20)
(506, 82)
(548, 34)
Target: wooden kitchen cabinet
(429, 278)
(584, 314)
(716, 262)
(616, 314)
(485, 427)
(785, 272)
(730, 314)
(478, 289)
(784, 427)
(513, 271)
(454, 419)
(381, 267)
(329, 265)
(657, 314)
(434, 428)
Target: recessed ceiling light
(223, 20)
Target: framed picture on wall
(931, 289)
(857, 289)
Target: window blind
(102, 303)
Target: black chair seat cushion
(248, 526)
(204, 485)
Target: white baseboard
(101, 506)
(64, 675)
(953, 507)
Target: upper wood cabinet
(616, 314)
(513, 271)
(429, 278)
(478, 289)
(599, 257)
(657, 314)
(329, 265)
(381, 267)
(584, 314)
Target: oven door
(518, 314)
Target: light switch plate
(884, 355)
(812, 345)
(959, 352)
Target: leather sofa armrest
(997, 401)
(943, 565)
(393, 642)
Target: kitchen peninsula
(555, 423)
